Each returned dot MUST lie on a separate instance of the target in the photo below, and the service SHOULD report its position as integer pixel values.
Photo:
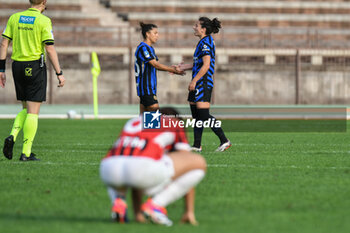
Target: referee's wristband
(60, 73)
(2, 65)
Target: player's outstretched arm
(3, 53)
(185, 67)
(52, 54)
(171, 69)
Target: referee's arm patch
(7, 37)
(49, 42)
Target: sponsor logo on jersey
(25, 28)
(205, 48)
(26, 19)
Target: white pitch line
(98, 152)
(284, 167)
(94, 164)
(78, 144)
(209, 165)
(310, 152)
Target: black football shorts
(200, 94)
(148, 100)
(30, 80)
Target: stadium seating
(327, 14)
(257, 36)
(68, 5)
(267, 24)
(256, 23)
(76, 22)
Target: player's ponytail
(216, 25)
(146, 28)
(211, 26)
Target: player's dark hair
(35, 2)
(170, 111)
(211, 26)
(146, 28)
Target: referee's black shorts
(30, 80)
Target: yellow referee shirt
(29, 31)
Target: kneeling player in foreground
(141, 159)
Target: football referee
(31, 34)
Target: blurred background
(268, 52)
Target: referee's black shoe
(8, 147)
(30, 158)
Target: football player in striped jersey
(146, 66)
(202, 83)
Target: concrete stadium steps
(67, 12)
(59, 17)
(251, 76)
(251, 20)
(67, 5)
(254, 7)
(287, 23)
(106, 17)
(77, 22)
(254, 37)
(23, 6)
(261, 14)
(92, 36)
(50, 2)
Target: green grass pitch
(266, 182)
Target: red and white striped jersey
(135, 141)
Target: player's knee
(153, 108)
(199, 162)
(202, 163)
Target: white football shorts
(136, 172)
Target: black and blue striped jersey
(145, 73)
(206, 46)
